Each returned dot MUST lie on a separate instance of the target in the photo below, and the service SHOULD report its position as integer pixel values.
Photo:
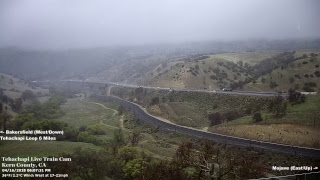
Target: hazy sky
(90, 23)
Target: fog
(59, 24)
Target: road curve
(136, 109)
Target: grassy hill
(295, 76)
(247, 71)
(206, 72)
(13, 88)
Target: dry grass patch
(297, 135)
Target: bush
(291, 80)
(44, 125)
(215, 118)
(296, 97)
(213, 77)
(257, 117)
(193, 73)
(86, 137)
(27, 94)
(297, 76)
(273, 84)
(231, 115)
(155, 101)
(310, 84)
(96, 130)
(82, 128)
(71, 134)
(307, 89)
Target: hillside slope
(257, 71)
(206, 72)
(301, 75)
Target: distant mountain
(123, 63)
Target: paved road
(248, 93)
(136, 109)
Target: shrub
(213, 77)
(155, 101)
(215, 118)
(257, 117)
(296, 97)
(273, 84)
(307, 89)
(297, 76)
(231, 115)
(291, 80)
(96, 130)
(310, 84)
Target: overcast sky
(92, 23)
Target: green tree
(4, 118)
(27, 94)
(135, 137)
(278, 106)
(135, 168)
(127, 153)
(296, 97)
(90, 164)
(117, 141)
(18, 105)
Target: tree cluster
(277, 106)
(192, 160)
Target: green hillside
(296, 75)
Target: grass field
(79, 113)
(183, 113)
(298, 135)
